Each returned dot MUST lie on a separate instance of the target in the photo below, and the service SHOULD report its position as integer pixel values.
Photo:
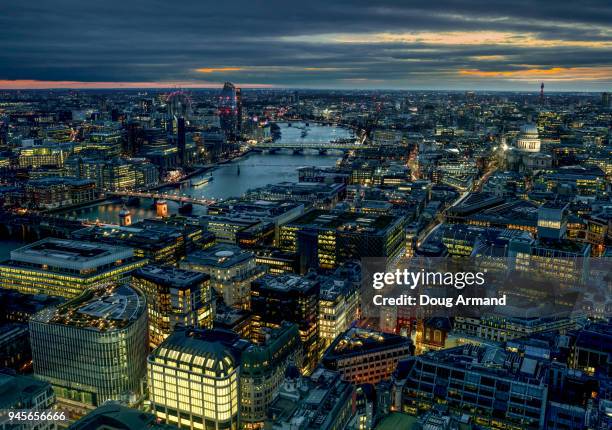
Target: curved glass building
(93, 348)
(193, 379)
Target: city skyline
(212, 259)
(390, 45)
(271, 215)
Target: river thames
(234, 179)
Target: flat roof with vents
(70, 254)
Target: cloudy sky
(447, 44)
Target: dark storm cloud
(316, 43)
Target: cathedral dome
(528, 140)
(529, 128)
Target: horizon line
(274, 88)
(34, 84)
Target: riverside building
(66, 268)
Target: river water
(7, 245)
(256, 170)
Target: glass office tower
(92, 348)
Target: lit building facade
(43, 155)
(498, 389)
(528, 139)
(563, 260)
(231, 270)
(276, 261)
(230, 111)
(552, 220)
(93, 348)
(327, 239)
(364, 356)
(158, 241)
(193, 380)
(66, 268)
(54, 192)
(174, 296)
(275, 299)
(501, 328)
(338, 305)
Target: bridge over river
(317, 146)
(162, 196)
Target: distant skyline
(358, 44)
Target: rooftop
(106, 309)
(168, 275)
(253, 207)
(357, 341)
(344, 220)
(54, 180)
(563, 245)
(219, 256)
(285, 282)
(116, 416)
(70, 254)
(144, 235)
(491, 360)
(316, 405)
(396, 420)
(215, 350)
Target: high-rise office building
(231, 270)
(135, 139)
(93, 348)
(193, 379)
(238, 111)
(174, 296)
(275, 299)
(66, 268)
(230, 111)
(179, 104)
(180, 140)
(326, 239)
